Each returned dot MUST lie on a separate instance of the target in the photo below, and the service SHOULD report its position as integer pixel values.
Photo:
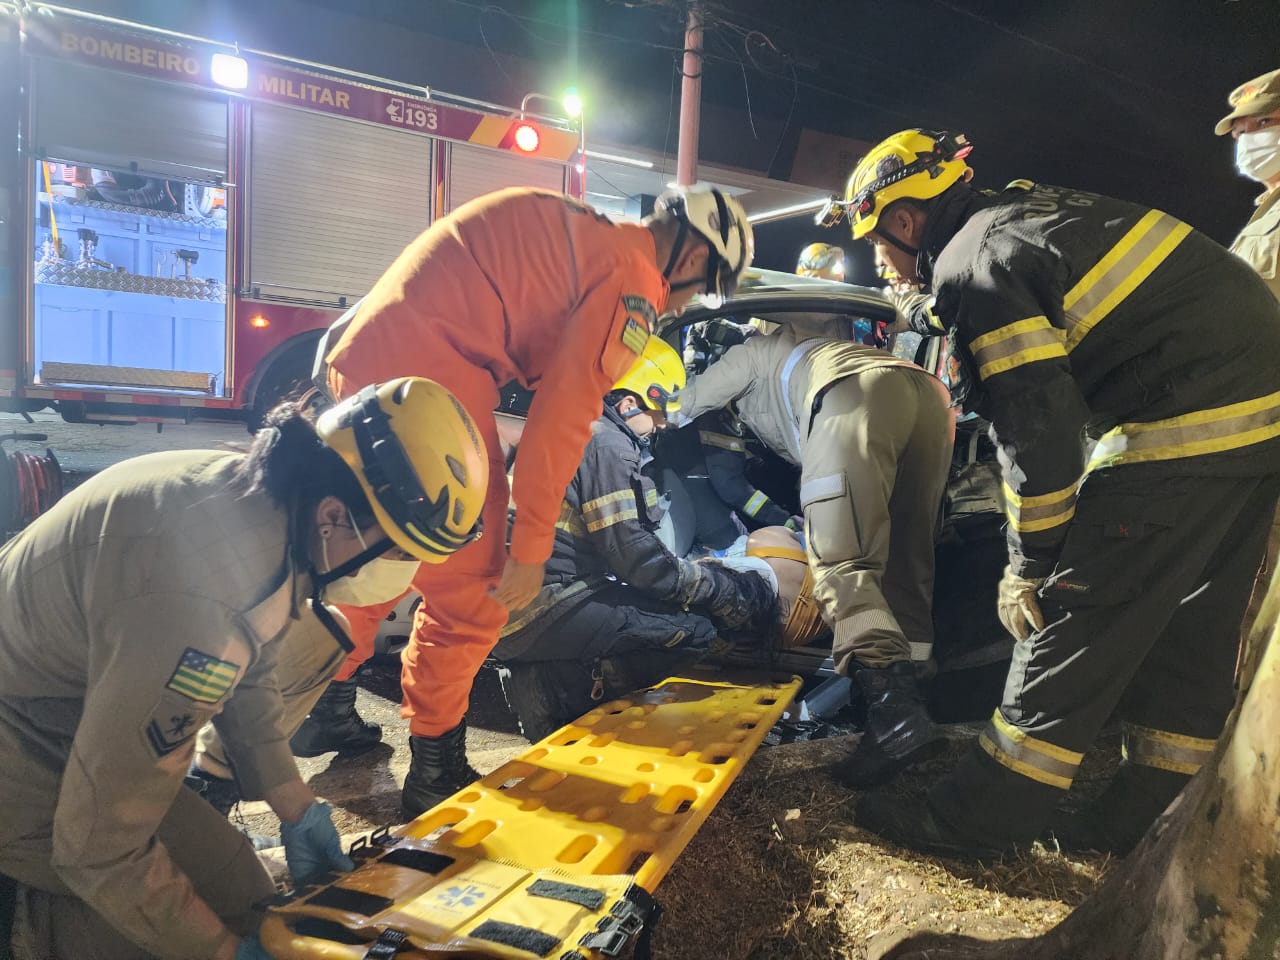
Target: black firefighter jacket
(607, 528)
(719, 445)
(1077, 317)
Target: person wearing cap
(155, 597)
(539, 288)
(617, 610)
(1078, 316)
(1254, 124)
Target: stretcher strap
(778, 553)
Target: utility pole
(690, 99)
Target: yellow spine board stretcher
(555, 853)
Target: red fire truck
(180, 218)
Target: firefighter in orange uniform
(536, 287)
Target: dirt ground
(807, 883)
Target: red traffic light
(526, 137)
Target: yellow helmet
(419, 460)
(821, 260)
(915, 164)
(657, 377)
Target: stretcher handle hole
(577, 849)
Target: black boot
(333, 724)
(898, 730)
(1121, 816)
(220, 793)
(546, 694)
(439, 769)
(223, 793)
(913, 823)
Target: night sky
(1118, 97)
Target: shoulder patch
(634, 336)
(169, 729)
(642, 310)
(202, 677)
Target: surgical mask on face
(1258, 154)
(381, 580)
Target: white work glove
(1017, 605)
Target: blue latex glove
(250, 949)
(796, 526)
(311, 845)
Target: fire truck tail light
(229, 71)
(259, 322)
(526, 138)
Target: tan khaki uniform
(1259, 246)
(307, 660)
(871, 434)
(140, 606)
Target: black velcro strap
(423, 861)
(387, 945)
(350, 901)
(513, 935)
(569, 892)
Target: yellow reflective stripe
(1041, 512)
(1165, 750)
(547, 597)
(1193, 434)
(1034, 759)
(610, 509)
(754, 503)
(570, 520)
(933, 319)
(651, 498)
(1120, 271)
(721, 440)
(628, 514)
(1015, 344)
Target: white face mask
(379, 581)
(1258, 154)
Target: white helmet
(722, 223)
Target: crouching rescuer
(617, 610)
(872, 436)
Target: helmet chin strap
(320, 580)
(676, 249)
(889, 238)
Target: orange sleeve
(599, 343)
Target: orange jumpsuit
(521, 285)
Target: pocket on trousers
(828, 518)
(1110, 552)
